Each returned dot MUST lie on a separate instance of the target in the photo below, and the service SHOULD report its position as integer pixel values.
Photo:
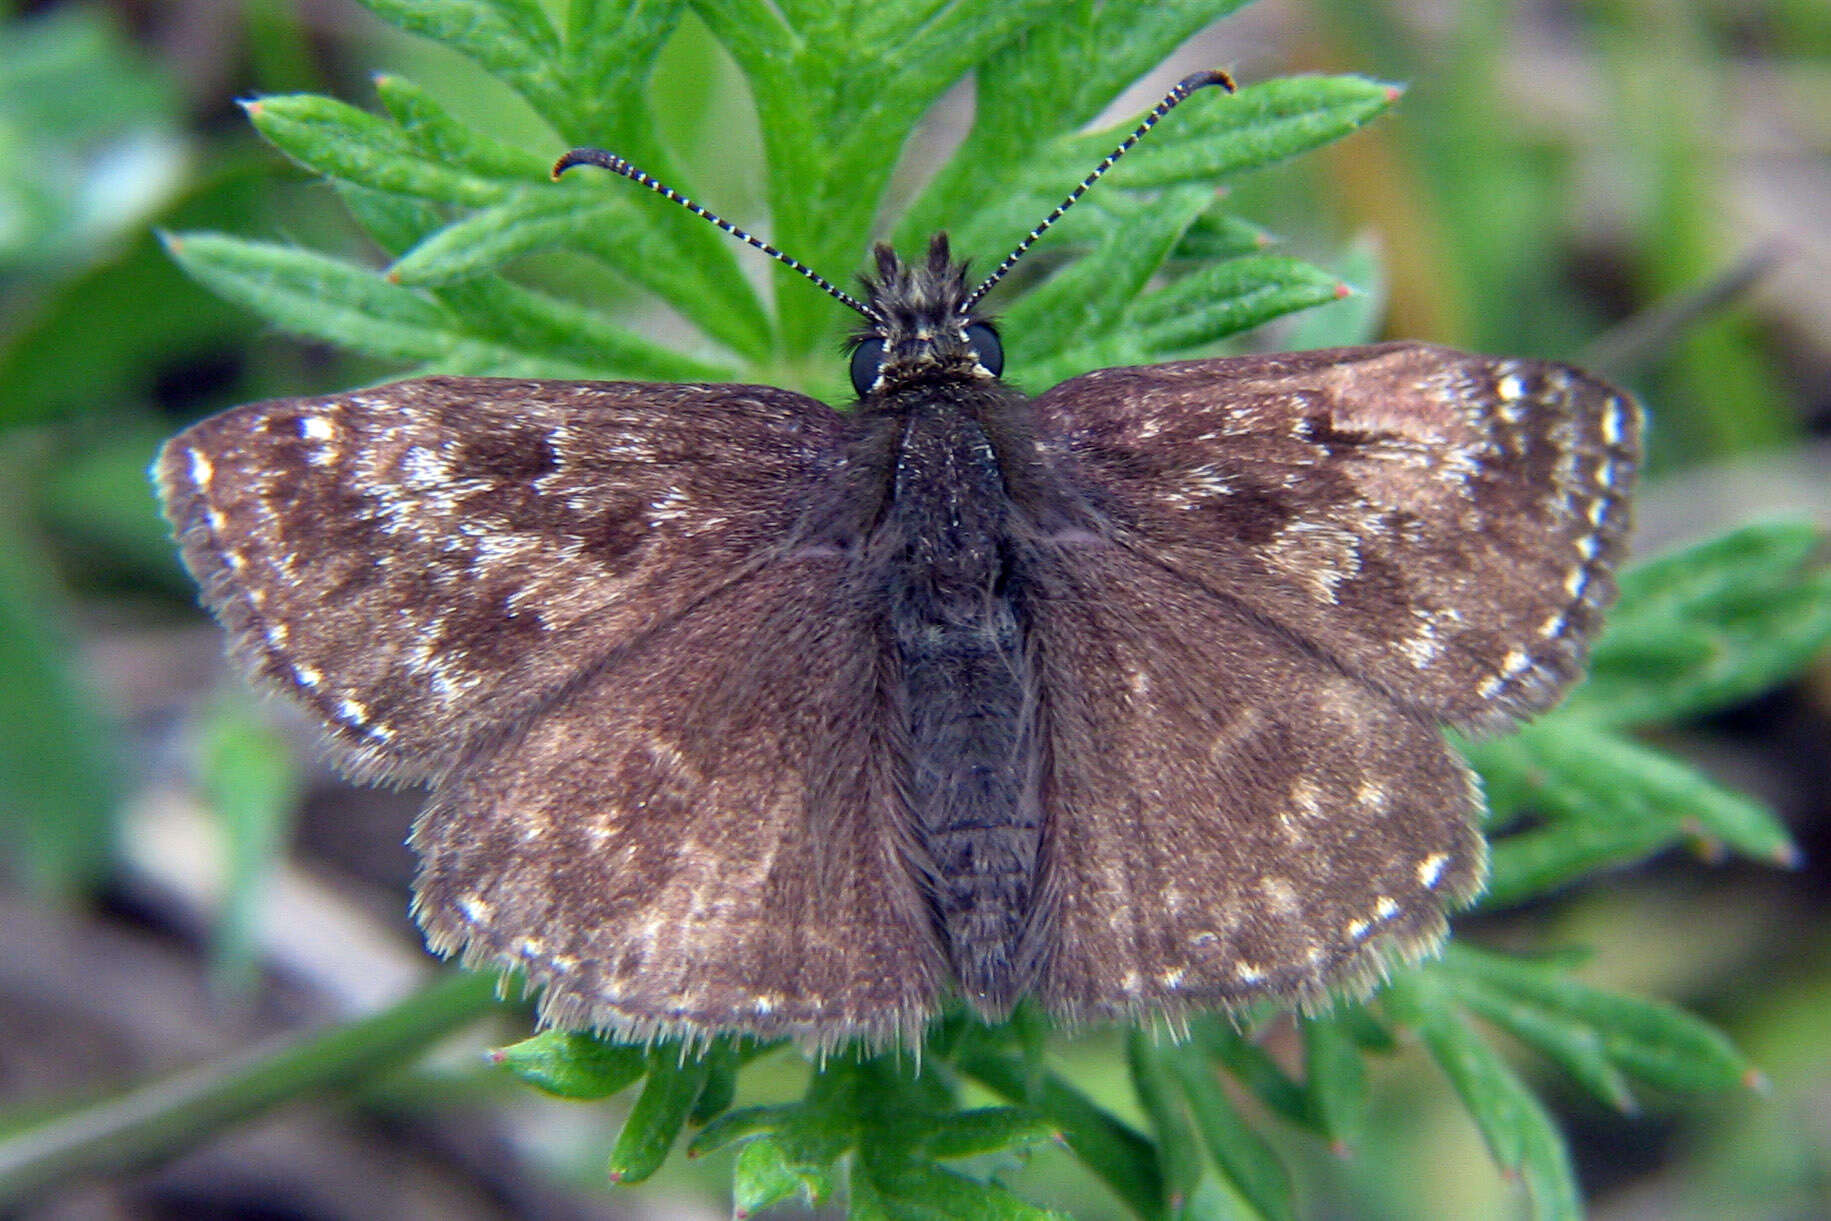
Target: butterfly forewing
(425, 562)
(1441, 525)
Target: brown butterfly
(746, 714)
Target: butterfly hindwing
(422, 561)
(702, 834)
(1442, 525)
(1231, 818)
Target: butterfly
(744, 714)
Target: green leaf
(1248, 1163)
(1050, 82)
(1530, 863)
(1260, 125)
(894, 1126)
(252, 783)
(1575, 1046)
(1611, 801)
(723, 1059)
(1226, 298)
(1218, 300)
(985, 1130)
(536, 219)
(1519, 1134)
(1112, 1149)
(1253, 1066)
(674, 1083)
(1155, 1070)
(573, 1064)
(313, 294)
(1654, 1041)
(511, 38)
(765, 1175)
(1088, 297)
(1710, 625)
(342, 142)
(483, 328)
(1218, 234)
(430, 130)
(1335, 1079)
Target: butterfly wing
(655, 723)
(1304, 564)
(421, 562)
(1443, 526)
(1231, 817)
(702, 835)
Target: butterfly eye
(867, 359)
(986, 346)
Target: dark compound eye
(987, 347)
(867, 359)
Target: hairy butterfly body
(744, 714)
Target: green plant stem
(166, 1117)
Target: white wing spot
(1172, 978)
(1430, 869)
(1423, 648)
(1279, 893)
(1384, 908)
(354, 711)
(1553, 626)
(307, 676)
(1510, 388)
(477, 909)
(316, 428)
(1576, 583)
(202, 472)
(1614, 421)
(424, 468)
(1358, 929)
(1249, 972)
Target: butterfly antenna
(1184, 87)
(617, 165)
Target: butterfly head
(921, 323)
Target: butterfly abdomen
(957, 625)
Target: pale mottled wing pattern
(424, 561)
(702, 834)
(1231, 817)
(1442, 526)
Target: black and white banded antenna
(1186, 86)
(617, 165)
